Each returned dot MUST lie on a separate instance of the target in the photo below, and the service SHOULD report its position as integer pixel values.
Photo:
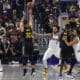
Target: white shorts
(49, 52)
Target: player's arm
(22, 26)
(47, 35)
(23, 17)
(42, 35)
(74, 41)
(22, 22)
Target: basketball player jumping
(26, 35)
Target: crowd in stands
(45, 12)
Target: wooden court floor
(14, 72)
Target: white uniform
(53, 49)
(76, 48)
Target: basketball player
(66, 51)
(72, 43)
(53, 48)
(26, 34)
(30, 4)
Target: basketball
(29, 5)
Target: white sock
(60, 61)
(45, 63)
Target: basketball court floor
(14, 72)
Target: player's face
(74, 32)
(55, 30)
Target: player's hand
(24, 13)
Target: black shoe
(24, 72)
(33, 71)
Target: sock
(33, 70)
(59, 61)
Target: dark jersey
(28, 41)
(66, 51)
(63, 46)
(28, 34)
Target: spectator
(2, 31)
(73, 10)
(20, 7)
(6, 45)
(6, 6)
(73, 23)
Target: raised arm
(22, 22)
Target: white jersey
(54, 42)
(76, 48)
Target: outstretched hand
(24, 13)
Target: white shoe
(1, 68)
(60, 77)
(15, 62)
(70, 76)
(27, 74)
(34, 73)
(73, 79)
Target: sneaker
(24, 72)
(33, 71)
(60, 77)
(45, 71)
(70, 76)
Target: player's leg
(25, 58)
(63, 60)
(24, 62)
(46, 56)
(72, 64)
(32, 60)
